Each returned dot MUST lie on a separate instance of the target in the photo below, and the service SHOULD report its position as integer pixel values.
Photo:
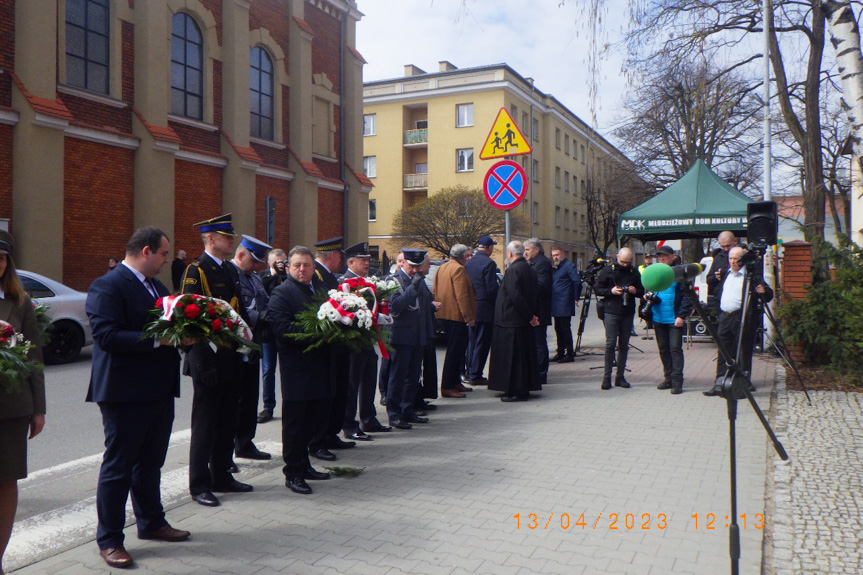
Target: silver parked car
(65, 306)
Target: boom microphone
(659, 277)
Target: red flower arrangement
(15, 364)
(189, 316)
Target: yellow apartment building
(424, 132)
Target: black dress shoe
(416, 419)
(254, 453)
(420, 412)
(479, 381)
(338, 443)
(717, 390)
(360, 436)
(556, 357)
(165, 533)
(513, 398)
(606, 385)
(622, 383)
(207, 499)
(315, 475)
(232, 468)
(566, 359)
(664, 385)
(676, 389)
(464, 378)
(324, 454)
(265, 416)
(424, 406)
(400, 424)
(298, 485)
(378, 429)
(233, 486)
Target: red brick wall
(286, 114)
(215, 8)
(128, 66)
(330, 169)
(280, 190)
(197, 197)
(272, 156)
(325, 46)
(98, 200)
(7, 49)
(217, 93)
(97, 114)
(796, 268)
(197, 138)
(330, 213)
(5, 171)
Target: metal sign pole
(505, 236)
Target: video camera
(589, 273)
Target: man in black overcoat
(512, 367)
(541, 266)
(305, 376)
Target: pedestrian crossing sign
(504, 139)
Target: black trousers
(300, 419)
(428, 385)
(361, 393)
(136, 441)
(618, 328)
(330, 424)
(728, 326)
(403, 386)
(563, 331)
(539, 334)
(456, 347)
(480, 344)
(214, 423)
(669, 341)
(247, 417)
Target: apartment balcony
(416, 182)
(417, 137)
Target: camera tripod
(778, 344)
(582, 319)
(733, 387)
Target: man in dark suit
(328, 261)
(305, 376)
(178, 268)
(483, 275)
(134, 381)
(719, 268)
(541, 266)
(215, 374)
(250, 254)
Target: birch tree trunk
(845, 37)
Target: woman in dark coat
(22, 413)
(513, 367)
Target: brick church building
(115, 114)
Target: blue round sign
(505, 185)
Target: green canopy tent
(698, 205)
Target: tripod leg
(733, 529)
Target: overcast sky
(537, 38)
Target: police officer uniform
(215, 376)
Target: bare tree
(610, 192)
(688, 110)
(457, 215)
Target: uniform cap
(360, 250)
(257, 248)
(414, 257)
(220, 224)
(329, 245)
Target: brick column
(796, 275)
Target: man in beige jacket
(453, 288)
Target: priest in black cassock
(513, 367)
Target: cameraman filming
(730, 295)
(668, 310)
(620, 286)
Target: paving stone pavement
(817, 497)
(577, 480)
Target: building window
(534, 126)
(524, 118)
(574, 149)
(370, 166)
(566, 182)
(566, 144)
(534, 171)
(187, 67)
(566, 219)
(534, 212)
(464, 160)
(422, 124)
(261, 92)
(513, 109)
(557, 138)
(87, 24)
(557, 216)
(370, 124)
(557, 178)
(323, 128)
(463, 115)
(582, 154)
(373, 210)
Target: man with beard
(513, 349)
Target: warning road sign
(505, 185)
(504, 139)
